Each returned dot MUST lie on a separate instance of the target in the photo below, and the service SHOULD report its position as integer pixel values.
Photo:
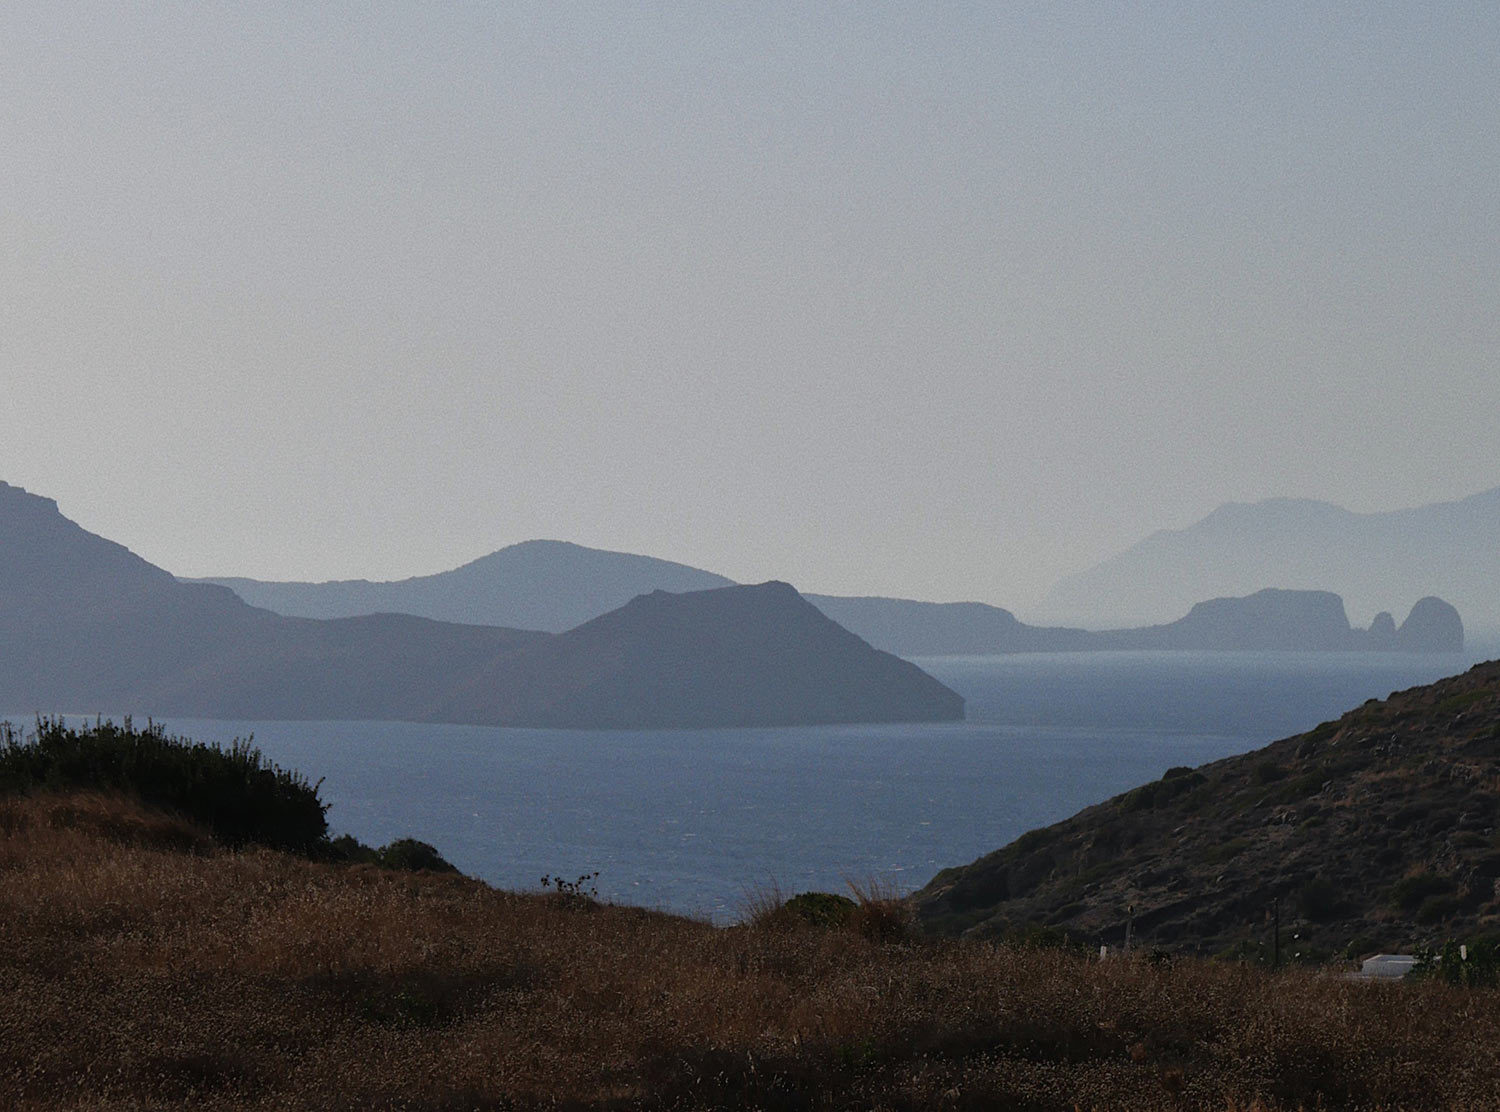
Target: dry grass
(142, 968)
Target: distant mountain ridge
(1269, 620)
(548, 582)
(90, 627)
(544, 585)
(1448, 549)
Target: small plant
(582, 892)
(883, 914)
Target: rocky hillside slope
(1378, 830)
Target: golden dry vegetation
(142, 966)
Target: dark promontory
(1374, 831)
(90, 627)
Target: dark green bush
(411, 855)
(822, 909)
(1409, 893)
(1267, 772)
(1436, 909)
(1476, 963)
(238, 795)
(349, 850)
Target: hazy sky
(935, 300)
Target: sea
(709, 822)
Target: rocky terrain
(1379, 830)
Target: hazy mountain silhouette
(1450, 549)
(540, 582)
(88, 626)
(913, 628)
(1268, 620)
(745, 656)
(546, 585)
(1275, 620)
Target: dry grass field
(142, 966)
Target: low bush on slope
(234, 794)
(239, 796)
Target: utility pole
(1275, 932)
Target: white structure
(1387, 967)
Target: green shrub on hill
(412, 856)
(822, 909)
(239, 796)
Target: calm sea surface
(693, 820)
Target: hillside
(94, 628)
(1378, 830)
(735, 656)
(1376, 561)
(143, 965)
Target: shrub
(822, 909)
(1409, 893)
(581, 893)
(1476, 964)
(1320, 900)
(411, 855)
(883, 914)
(1436, 909)
(349, 850)
(1267, 772)
(235, 793)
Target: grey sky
(935, 300)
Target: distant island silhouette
(553, 585)
(91, 627)
(1448, 549)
